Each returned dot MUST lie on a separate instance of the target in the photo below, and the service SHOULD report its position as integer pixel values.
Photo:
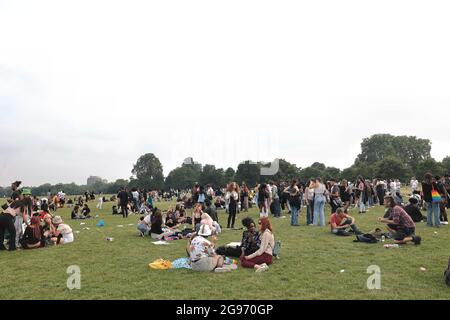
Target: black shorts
(401, 232)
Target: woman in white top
(319, 202)
(261, 259)
(63, 234)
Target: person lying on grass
(201, 251)
(399, 223)
(261, 259)
(342, 224)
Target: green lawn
(310, 268)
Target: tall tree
(148, 171)
(410, 150)
(248, 172)
(213, 176)
(184, 177)
(230, 175)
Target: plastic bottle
(383, 238)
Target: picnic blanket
(182, 263)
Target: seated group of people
(255, 252)
(84, 214)
(399, 220)
(41, 229)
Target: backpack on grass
(366, 238)
(277, 249)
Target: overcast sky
(88, 86)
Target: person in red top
(341, 222)
(399, 223)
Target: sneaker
(444, 222)
(417, 240)
(263, 268)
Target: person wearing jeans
(433, 208)
(319, 209)
(340, 222)
(294, 201)
(319, 202)
(261, 259)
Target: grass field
(310, 267)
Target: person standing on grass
(294, 202)
(232, 196)
(362, 194)
(399, 223)
(335, 196)
(309, 202)
(263, 257)
(429, 185)
(15, 190)
(443, 192)
(275, 206)
(245, 196)
(414, 184)
(263, 199)
(7, 222)
(100, 202)
(123, 198)
(319, 202)
(345, 194)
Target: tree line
(382, 156)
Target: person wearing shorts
(399, 223)
(201, 251)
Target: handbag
(435, 196)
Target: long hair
(265, 224)
(428, 178)
(36, 226)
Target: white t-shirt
(135, 195)
(147, 219)
(414, 185)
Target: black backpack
(367, 238)
(447, 275)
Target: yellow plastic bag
(161, 264)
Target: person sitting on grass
(144, 225)
(197, 217)
(115, 211)
(251, 238)
(201, 252)
(341, 222)
(413, 210)
(211, 211)
(75, 214)
(33, 235)
(157, 231)
(251, 241)
(86, 212)
(48, 229)
(261, 259)
(399, 223)
(63, 233)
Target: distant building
(93, 180)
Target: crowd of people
(202, 227)
(28, 223)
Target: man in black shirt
(123, 202)
(412, 209)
